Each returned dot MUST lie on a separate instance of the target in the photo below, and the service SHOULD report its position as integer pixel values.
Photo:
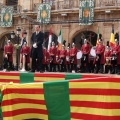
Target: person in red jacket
(57, 60)
(8, 55)
(45, 59)
(63, 59)
(73, 57)
(68, 58)
(115, 61)
(107, 59)
(85, 56)
(52, 52)
(100, 49)
(25, 50)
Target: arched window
(11, 2)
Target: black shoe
(118, 73)
(32, 70)
(41, 71)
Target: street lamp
(18, 30)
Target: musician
(68, 58)
(100, 49)
(45, 60)
(36, 50)
(8, 55)
(25, 50)
(92, 59)
(52, 52)
(115, 54)
(57, 60)
(23, 39)
(85, 56)
(73, 57)
(63, 58)
(107, 59)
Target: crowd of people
(106, 59)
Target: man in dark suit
(36, 50)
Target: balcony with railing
(16, 8)
(107, 3)
(74, 4)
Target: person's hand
(6, 56)
(114, 52)
(35, 45)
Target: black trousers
(114, 66)
(36, 60)
(73, 67)
(45, 67)
(7, 64)
(98, 66)
(68, 68)
(107, 68)
(52, 65)
(83, 62)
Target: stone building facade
(64, 10)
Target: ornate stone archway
(89, 35)
(76, 33)
(3, 40)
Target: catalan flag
(112, 42)
(90, 99)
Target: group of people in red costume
(106, 60)
(60, 60)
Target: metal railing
(72, 4)
(107, 3)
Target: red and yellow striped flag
(90, 99)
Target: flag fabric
(98, 34)
(50, 38)
(88, 99)
(21, 77)
(60, 40)
(86, 12)
(44, 13)
(6, 16)
(112, 42)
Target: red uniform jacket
(63, 55)
(108, 54)
(52, 52)
(73, 53)
(8, 49)
(116, 49)
(46, 57)
(86, 50)
(57, 60)
(100, 49)
(25, 50)
(68, 57)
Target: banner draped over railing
(44, 11)
(6, 16)
(86, 12)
